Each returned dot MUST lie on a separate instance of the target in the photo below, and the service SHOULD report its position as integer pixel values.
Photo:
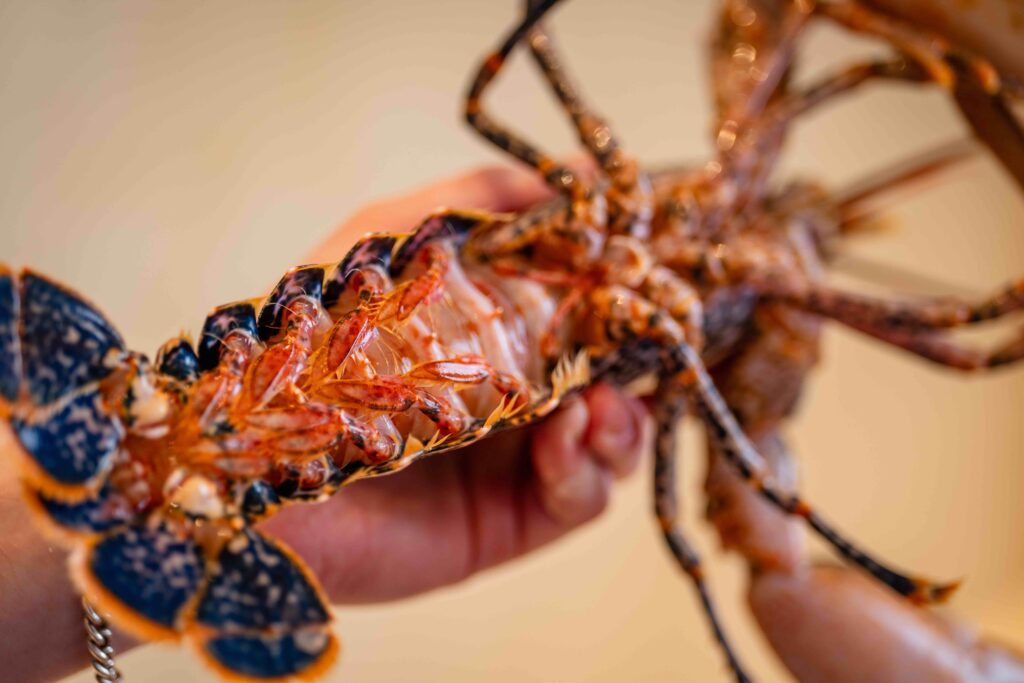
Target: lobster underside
(155, 473)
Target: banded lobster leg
(740, 453)
(670, 407)
(629, 318)
(917, 326)
(976, 84)
(631, 201)
(578, 226)
(558, 176)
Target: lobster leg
(392, 394)
(913, 325)
(632, 192)
(863, 311)
(631, 318)
(669, 410)
(994, 123)
(975, 83)
(738, 451)
(941, 348)
(755, 156)
(558, 176)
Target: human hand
(436, 523)
(832, 624)
(447, 518)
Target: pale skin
(494, 502)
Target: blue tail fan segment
(301, 281)
(65, 340)
(224, 319)
(149, 570)
(178, 359)
(99, 513)
(10, 347)
(271, 656)
(73, 443)
(257, 586)
(273, 620)
(373, 250)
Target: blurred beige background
(164, 157)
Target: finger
(745, 521)
(572, 486)
(494, 188)
(835, 625)
(618, 429)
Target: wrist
(40, 612)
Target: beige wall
(164, 157)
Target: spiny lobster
(419, 343)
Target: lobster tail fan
(261, 616)
(145, 576)
(10, 348)
(78, 520)
(55, 349)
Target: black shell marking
(301, 281)
(98, 513)
(218, 324)
(64, 339)
(255, 586)
(74, 443)
(178, 359)
(369, 251)
(271, 656)
(152, 571)
(10, 347)
(449, 224)
(259, 500)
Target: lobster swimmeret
(419, 343)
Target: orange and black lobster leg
(915, 325)
(669, 410)
(928, 314)
(992, 119)
(632, 189)
(755, 154)
(558, 176)
(632, 319)
(741, 455)
(943, 349)
(975, 84)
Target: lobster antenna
(860, 201)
